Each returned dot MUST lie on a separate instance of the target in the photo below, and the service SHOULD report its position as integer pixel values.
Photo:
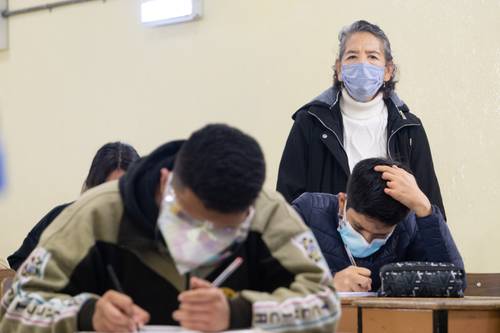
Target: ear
(338, 69)
(389, 71)
(342, 200)
(164, 172)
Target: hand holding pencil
(116, 312)
(205, 307)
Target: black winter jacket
(414, 239)
(314, 158)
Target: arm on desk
(294, 273)
(432, 240)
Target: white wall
(80, 76)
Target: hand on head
(403, 187)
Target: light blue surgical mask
(355, 242)
(362, 80)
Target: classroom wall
(80, 76)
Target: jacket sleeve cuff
(240, 313)
(432, 220)
(85, 315)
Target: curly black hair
(224, 167)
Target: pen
(118, 286)
(227, 272)
(188, 281)
(114, 279)
(351, 258)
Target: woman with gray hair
(359, 117)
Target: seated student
(109, 163)
(162, 230)
(383, 218)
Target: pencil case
(421, 279)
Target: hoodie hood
(138, 186)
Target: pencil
(118, 286)
(227, 272)
(351, 258)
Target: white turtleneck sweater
(365, 128)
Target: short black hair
(224, 167)
(365, 192)
(110, 157)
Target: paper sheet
(170, 329)
(356, 294)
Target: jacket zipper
(336, 136)
(394, 268)
(341, 145)
(388, 141)
(397, 130)
(392, 134)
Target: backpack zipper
(423, 267)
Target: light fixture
(161, 12)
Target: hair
(224, 167)
(110, 157)
(365, 193)
(364, 26)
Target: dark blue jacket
(414, 239)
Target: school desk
(423, 315)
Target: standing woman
(359, 117)
(110, 162)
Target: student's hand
(203, 308)
(116, 312)
(403, 187)
(353, 278)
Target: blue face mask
(362, 80)
(355, 242)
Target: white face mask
(193, 243)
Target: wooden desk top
(350, 300)
(466, 303)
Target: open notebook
(159, 329)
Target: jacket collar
(325, 108)
(331, 97)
